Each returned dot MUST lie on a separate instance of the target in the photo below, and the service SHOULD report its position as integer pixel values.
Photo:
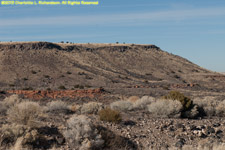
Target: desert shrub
(18, 137)
(165, 108)
(122, 105)
(81, 133)
(75, 107)
(193, 113)
(68, 72)
(110, 115)
(9, 102)
(57, 106)
(143, 102)
(33, 72)
(62, 87)
(25, 113)
(207, 105)
(28, 88)
(78, 86)
(185, 101)
(3, 108)
(91, 108)
(25, 79)
(220, 109)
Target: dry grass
(55, 106)
(143, 102)
(121, 105)
(81, 133)
(25, 113)
(10, 133)
(133, 99)
(9, 102)
(220, 109)
(91, 108)
(110, 115)
(207, 104)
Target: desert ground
(107, 97)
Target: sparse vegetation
(104, 119)
(110, 115)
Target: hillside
(42, 65)
(107, 96)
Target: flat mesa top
(76, 44)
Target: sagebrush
(81, 134)
(25, 113)
(91, 108)
(121, 105)
(165, 108)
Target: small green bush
(62, 87)
(110, 115)
(68, 72)
(33, 72)
(46, 76)
(78, 86)
(28, 88)
(185, 101)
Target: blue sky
(192, 29)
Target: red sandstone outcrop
(37, 94)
